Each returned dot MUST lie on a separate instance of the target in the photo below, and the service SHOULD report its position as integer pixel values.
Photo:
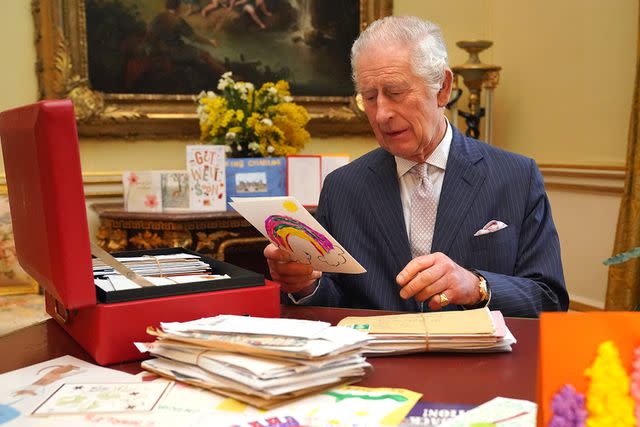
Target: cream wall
(568, 68)
(564, 99)
(18, 84)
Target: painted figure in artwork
(250, 7)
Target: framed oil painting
(133, 67)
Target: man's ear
(445, 90)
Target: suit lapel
(387, 206)
(462, 180)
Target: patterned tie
(424, 206)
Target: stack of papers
(160, 270)
(471, 331)
(157, 265)
(263, 362)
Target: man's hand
(430, 275)
(294, 278)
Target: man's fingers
(436, 303)
(290, 268)
(272, 252)
(437, 287)
(294, 284)
(414, 267)
(422, 280)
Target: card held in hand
(287, 224)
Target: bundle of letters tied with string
(260, 361)
(158, 270)
(472, 331)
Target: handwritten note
(207, 188)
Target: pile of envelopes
(478, 330)
(263, 362)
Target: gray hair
(429, 53)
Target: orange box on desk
(569, 344)
(44, 180)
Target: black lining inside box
(239, 278)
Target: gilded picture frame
(62, 69)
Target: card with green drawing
(103, 398)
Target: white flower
(211, 94)
(270, 149)
(202, 114)
(202, 94)
(222, 84)
(266, 121)
(254, 146)
(230, 136)
(227, 75)
(239, 147)
(287, 98)
(227, 149)
(272, 91)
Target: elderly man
(437, 219)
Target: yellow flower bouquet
(252, 123)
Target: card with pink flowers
(142, 191)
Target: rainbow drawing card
(287, 224)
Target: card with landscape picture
(256, 177)
(287, 224)
(175, 191)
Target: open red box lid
(46, 195)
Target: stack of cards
(158, 269)
(469, 331)
(263, 362)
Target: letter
(198, 157)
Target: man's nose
(384, 111)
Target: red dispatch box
(44, 180)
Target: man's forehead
(383, 81)
(385, 76)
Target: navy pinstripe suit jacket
(360, 206)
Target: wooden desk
(440, 377)
(224, 235)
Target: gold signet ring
(444, 301)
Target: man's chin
(400, 149)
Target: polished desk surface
(440, 377)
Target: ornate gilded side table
(224, 235)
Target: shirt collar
(438, 158)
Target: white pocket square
(491, 227)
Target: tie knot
(421, 170)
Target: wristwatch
(483, 287)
